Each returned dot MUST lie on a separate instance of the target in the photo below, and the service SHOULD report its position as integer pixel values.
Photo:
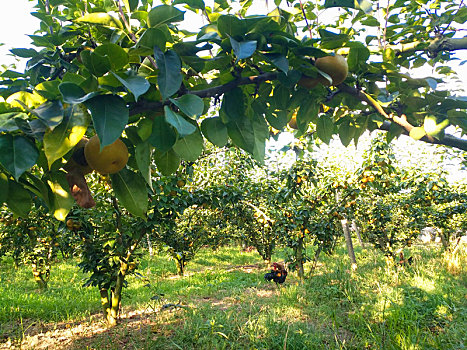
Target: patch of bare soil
(134, 326)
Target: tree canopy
(131, 69)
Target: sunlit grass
(227, 304)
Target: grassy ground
(224, 303)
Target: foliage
(129, 68)
(33, 241)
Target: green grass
(225, 306)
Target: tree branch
(432, 46)
(144, 106)
(448, 140)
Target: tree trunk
(41, 277)
(444, 240)
(315, 260)
(151, 251)
(180, 266)
(348, 241)
(105, 302)
(299, 257)
(357, 231)
(111, 300)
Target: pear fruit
(334, 66)
(110, 160)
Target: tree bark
(299, 257)
(444, 241)
(180, 266)
(357, 231)
(151, 250)
(315, 259)
(111, 300)
(348, 242)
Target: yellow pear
(110, 160)
(334, 66)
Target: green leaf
(3, 188)
(215, 131)
(63, 201)
(51, 113)
(357, 57)
(97, 64)
(22, 99)
(74, 94)
(131, 5)
(17, 154)
(261, 131)
(130, 190)
(182, 126)
(190, 147)
(164, 14)
(63, 138)
(461, 15)
(38, 187)
(193, 4)
(417, 133)
(458, 118)
(233, 104)
(243, 49)
(101, 18)
(24, 53)
(307, 113)
(19, 199)
(109, 115)
(229, 26)
(191, 105)
(281, 97)
(163, 136)
(143, 153)
(395, 130)
(346, 132)
(135, 84)
(168, 162)
(325, 128)
(7, 121)
(363, 5)
(332, 40)
(279, 60)
(48, 89)
(144, 128)
(241, 132)
(152, 37)
(170, 76)
(117, 56)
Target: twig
(460, 6)
(306, 20)
(286, 335)
(132, 35)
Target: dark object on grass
(278, 274)
(403, 261)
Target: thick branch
(448, 140)
(216, 91)
(145, 106)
